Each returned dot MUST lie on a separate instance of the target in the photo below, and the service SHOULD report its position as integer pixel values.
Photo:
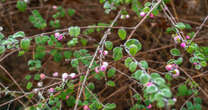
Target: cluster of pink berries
(104, 53)
(177, 39)
(173, 68)
(124, 16)
(102, 68)
(58, 36)
(142, 14)
(66, 75)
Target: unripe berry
(142, 14)
(97, 69)
(105, 53)
(151, 15)
(55, 74)
(72, 75)
(64, 76)
(42, 76)
(51, 90)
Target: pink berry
(40, 84)
(195, 63)
(64, 76)
(72, 75)
(151, 15)
(67, 97)
(86, 107)
(176, 73)
(149, 106)
(174, 99)
(51, 90)
(105, 53)
(142, 14)
(183, 44)
(105, 63)
(42, 76)
(103, 68)
(60, 37)
(56, 35)
(149, 84)
(100, 51)
(55, 74)
(187, 37)
(54, 7)
(169, 67)
(97, 69)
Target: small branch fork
(88, 70)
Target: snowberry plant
(89, 61)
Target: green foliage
(117, 53)
(108, 45)
(133, 66)
(71, 12)
(21, 5)
(37, 20)
(175, 52)
(111, 84)
(111, 72)
(122, 34)
(180, 25)
(74, 31)
(34, 64)
(184, 91)
(133, 45)
(29, 85)
(25, 44)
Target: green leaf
(180, 25)
(111, 83)
(182, 90)
(135, 42)
(111, 72)
(25, 44)
(1, 36)
(144, 64)
(175, 52)
(133, 66)
(128, 61)
(151, 89)
(37, 77)
(117, 53)
(74, 31)
(21, 5)
(91, 86)
(133, 49)
(109, 106)
(137, 74)
(74, 63)
(179, 61)
(28, 77)
(83, 41)
(67, 54)
(29, 85)
(122, 34)
(144, 78)
(2, 49)
(108, 45)
(166, 92)
(71, 12)
(19, 34)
